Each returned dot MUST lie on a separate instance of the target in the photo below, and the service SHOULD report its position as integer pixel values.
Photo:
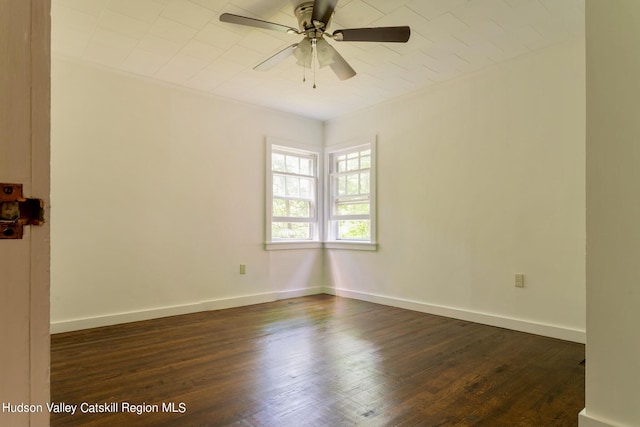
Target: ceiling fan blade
(380, 34)
(322, 10)
(276, 59)
(340, 66)
(258, 23)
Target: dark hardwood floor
(315, 361)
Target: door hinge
(17, 211)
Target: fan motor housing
(304, 13)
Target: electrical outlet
(519, 279)
(243, 269)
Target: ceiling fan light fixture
(313, 51)
(303, 53)
(324, 53)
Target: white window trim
(329, 241)
(315, 241)
(323, 198)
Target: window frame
(331, 240)
(316, 222)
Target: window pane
(355, 230)
(365, 162)
(353, 164)
(352, 209)
(277, 162)
(293, 186)
(364, 183)
(279, 185)
(306, 188)
(279, 207)
(299, 208)
(291, 230)
(352, 184)
(292, 208)
(293, 164)
(342, 185)
(306, 167)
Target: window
(296, 204)
(292, 189)
(351, 199)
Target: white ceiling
(182, 42)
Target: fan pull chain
(314, 57)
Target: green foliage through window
(351, 194)
(293, 194)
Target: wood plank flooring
(315, 361)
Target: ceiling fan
(313, 50)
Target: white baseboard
(155, 313)
(552, 331)
(586, 421)
(219, 304)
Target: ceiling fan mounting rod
(306, 23)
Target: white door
(24, 159)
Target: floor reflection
(300, 365)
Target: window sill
(279, 246)
(353, 246)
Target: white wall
(480, 178)
(158, 196)
(613, 211)
(156, 191)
